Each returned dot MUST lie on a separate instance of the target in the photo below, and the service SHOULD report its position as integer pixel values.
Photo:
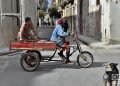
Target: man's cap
(60, 21)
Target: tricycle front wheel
(30, 61)
(85, 59)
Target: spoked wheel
(30, 61)
(85, 59)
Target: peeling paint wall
(8, 25)
(92, 19)
(29, 9)
(101, 19)
(85, 17)
(115, 20)
(105, 20)
(96, 18)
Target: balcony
(70, 1)
(64, 3)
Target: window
(18, 6)
(98, 2)
(18, 11)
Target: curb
(8, 52)
(95, 44)
(86, 43)
(90, 45)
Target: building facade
(91, 18)
(98, 19)
(101, 19)
(68, 9)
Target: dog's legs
(109, 83)
(114, 83)
(105, 82)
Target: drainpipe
(23, 9)
(105, 35)
(78, 17)
(1, 26)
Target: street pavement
(6, 50)
(57, 73)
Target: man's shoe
(62, 56)
(67, 61)
(59, 54)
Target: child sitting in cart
(58, 36)
(26, 30)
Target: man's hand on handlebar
(70, 34)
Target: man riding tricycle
(31, 58)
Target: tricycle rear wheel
(30, 61)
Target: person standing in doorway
(65, 26)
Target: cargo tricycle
(32, 57)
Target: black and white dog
(111, 75)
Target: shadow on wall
(94, 28)
(8, 30)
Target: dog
(110, 71)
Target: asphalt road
(57, 73)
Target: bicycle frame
(78, 47)
(75, 48)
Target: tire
(83, 56)
(36, 52)
(30, 61)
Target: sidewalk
(5, 50)
(97, 44)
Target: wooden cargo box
(32, 45)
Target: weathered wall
(8, 25)
(115, 21)
(45, 32)
(29, 9)
(70, 14)
(92, 18)
(96, 19)
(85, 17)
(101, 19)
(98, 34)
(105, 20)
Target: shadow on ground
(98, 64)
(56, 65)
